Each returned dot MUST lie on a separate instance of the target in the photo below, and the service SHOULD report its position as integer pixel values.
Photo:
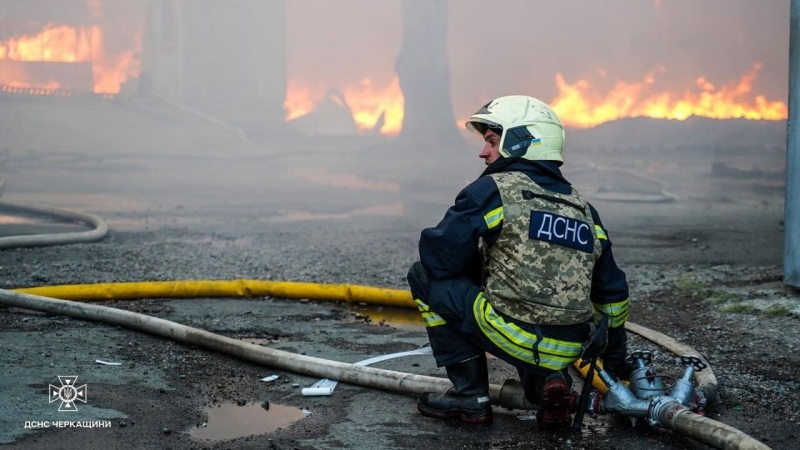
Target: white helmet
(531, 129)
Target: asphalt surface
(703, 267)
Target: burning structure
(213, 56)
(240, 61)
(62, 47)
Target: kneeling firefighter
(520, 267)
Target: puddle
(18, 220)
(230, 421)
(11, 215)
(593, 430)
(395, 317)
(14, 223)
(261, 341)
(619, 195)
(81, 202)
(342, 180)
(568, 439)
(389, 210)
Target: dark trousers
(459, 338)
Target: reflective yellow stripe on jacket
(601, 233)
(554, 354)
(617, 312)
(494, 217)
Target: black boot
(467, 400)
(552, 393)
(557, 402)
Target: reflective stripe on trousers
(431, 318)
(554, 354)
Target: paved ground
(704, 269)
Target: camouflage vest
(540, 269)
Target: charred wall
(423, 70)
(226, 58)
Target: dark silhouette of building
(422, 68)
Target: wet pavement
(229, 221)
(235, 420)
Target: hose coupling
(621, 400)
(663, 412)
(701, 402)
(593, 406)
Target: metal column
(791, 255)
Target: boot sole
(479, 419)
(556, 405)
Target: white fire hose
(510, 395)
(40, 240)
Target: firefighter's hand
(615, 353)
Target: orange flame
(11, 75)
(366, 103)
(110, 71)
(578, 106)
(57, 44)
(299, 100)
(72, 45)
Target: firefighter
(519, 267)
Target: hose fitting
(709, 393)
(621, 400)
(684, 391)
(645, 383)
(593, 406)
(663, 412)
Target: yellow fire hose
(509, 395)
(680, 419)
(250, 288)
(232, 288)
(287, 289)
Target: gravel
(701, 270)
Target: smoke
(516, 46)
(196, 74)
(510, 46)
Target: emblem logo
(68, 393)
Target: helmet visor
(479, 126)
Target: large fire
(369, 104)
(64, 44)
(55, 44)
(579, 105)
(374, 106)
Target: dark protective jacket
(452, 247)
